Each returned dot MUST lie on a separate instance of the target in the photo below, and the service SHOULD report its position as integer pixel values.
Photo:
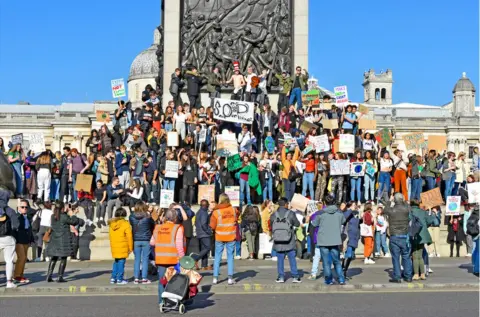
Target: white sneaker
(38, 260)
(215, 281)
(370, 261)
(365, 261)
(438, 255)
(96, 219)
(387, 255)
(430, 270)
(47, 259)
(274, 259)
(238, 257)
(377, 254)
(469, 255)
(341, 256)
(431, 255)
(11, 285)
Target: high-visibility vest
(226, 229)
(165, 247)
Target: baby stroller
(179, 291)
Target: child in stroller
(181, 288)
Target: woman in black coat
(455, 233)
(60, 245)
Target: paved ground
(401, 304)
(253, 277)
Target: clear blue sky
(68, 51)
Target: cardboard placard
(103, 116)
(234, 162)
(306, 126)
(357, 169)
(326, 106)
(172, 139)
(299, 202)
(233, 110)
(369, 169)
(118, 88)
(171, 169)
(320, 143)
(366, 124)
(363, 109)
(233, 192)
(339, 167)
(414, 141)
(166, 198)
(437, 142)
(473, 193)
(310, 98)
(347, 143)
(453, 206)
(331, 124)
(383, 137)
(432, 198)
(83, 183)
(206, 192)
(123, 123)
(226, 145)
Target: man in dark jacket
(142, 229)
(285, 248)
(398, 219)
(9, 224)
(194, 83)
(114, 190)
(176, 86)
(146, 117)
(214, 85)
(204, 234)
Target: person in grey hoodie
(329, 239)
(9, 224)
(204, 234)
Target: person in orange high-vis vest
(169, 242)
(223, 221)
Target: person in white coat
(245, 140)
(461, 173)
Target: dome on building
(464, 84)
(145, 65)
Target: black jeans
(65, 188)
(205, 247)
(282, 101)
(88, 207)
(194, 101)
(177, 100)
(190, 189)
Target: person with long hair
(323, 169)
(30, 173)
(461, 174)
(2, 145)
(179, 122)
(60, 245)
(371, 168)
(134, 195)
(142, 225)
(356, 181)
(106, 139)
(44, 165)
(250, 227)
(76, 167)
(384, 178)
(189, 171)
(309, 175)
(288, 161)
(94, 142)
(337, 180)
(56, 176)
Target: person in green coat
(422, 238)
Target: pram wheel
(181, 309)
(161, 308)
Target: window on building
(384, 94)
(377, 94)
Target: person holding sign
(309, 175)
(348, 118)
(384, 178)
(356, 181)
(400, 173)
(289, 173)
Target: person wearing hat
(238, 84)
(194, 83)
(285, 82)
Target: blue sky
(68, 51)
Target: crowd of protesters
(128, 163)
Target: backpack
(414, 226)
(472, 225)
(282, 229)
(4, 223)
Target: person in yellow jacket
(224, 221)
(121, 244)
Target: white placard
(233, 192)
(171, 169)
(453, 206)
(339, 167)
(118, 88)
(37, 142)
(357, 169)
(172, 139)
(265, 244)
(341, 96)
(320, 143)
(233, 110)
(473, 193)
(202, 136)
(166, 197)
(347, 143)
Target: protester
(204, 234)
(9, 224)
(121, 244)
(23, 237)
(142, 230)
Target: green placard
(234, 162)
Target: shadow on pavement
(91, 275)
(202, 300)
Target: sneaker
(342, 256)
(274, 259)
(280, 280)
(122, 282)
(136, 281)
(11, 285)
(431, 255)
(430, 270)
(469, 255)
(312, 277)
(146, 281)
(231, 281)
(22, 280)
(113, 281)
(215, 281)
(38, 260)
(377, 255)
(328, 282)
(370, 261)
(387, 255)
(342, 282)
(438, 255)
(297, 280)
(47, 259)
(238, 257)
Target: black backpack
(5, 226)
(472, 225)
(414, 226)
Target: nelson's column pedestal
(208, 33)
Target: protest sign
(366, 124)
(414, 140)
(233, 110)
(307, 150)
(453, 206)
(265, 244)
(83, 183)
(347, 143)
(37, 142)
(320, 143)
(234, 162)
(299, 202)
(341, 96)
(269, 144)
(306, 126)
(331, 124)
(118, 88)
(326, 106)
(473, 193)
(362, 109)
(171, 169)
(226, 145)
(206, 192)
(437, 142)
(17, 139)
(123, 123)
(233, 192)
(431, 198)
(310, 98)
(383, 137)
(339, 167)
(369, 169)
(313, 206)
(288, 140)
(357, 169)
(202, 136)
(172, 139)
(103, 116)
(166, 197)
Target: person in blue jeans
(142, 227)
(329, 238)
(16, 156)
(475, 257)
(356, 181)
(384, 179)
(299, 80)
(352, 222)
(311, 171)
(381, 226)
(449, 173)
(283, 223)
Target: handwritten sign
(326, 106)
(473, 193)
(383, 137)
(357, 169)
(331, 124)
(341, 95)
(347, 143)
(437, 142)
(339, 167)
(414, 141)
(233, 192)
(172, 138)
(289, 140)
(123, 123)
(299, 202)
(103, 116)
(83, 183)
(363, 109)
(118, 88)
(366, 124)
(234, 162)
(166, 197)
(37, 142)
(17, 139)
(206, 192)
(233, 111)
(202, 136)
(171, 169)
(269, 144)
(320, 143)
(307, 150)
(453, 206)
(306, 126)
(370, 169)
(431, 198)
(226, 145)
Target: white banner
(341, 96)
(233, 111)
(347, 143)
(453, 206)
(320, 143)
(473, 193)
(37, 142)
(171, 169)
(339, 167)
(166, 197)
(118, 88)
